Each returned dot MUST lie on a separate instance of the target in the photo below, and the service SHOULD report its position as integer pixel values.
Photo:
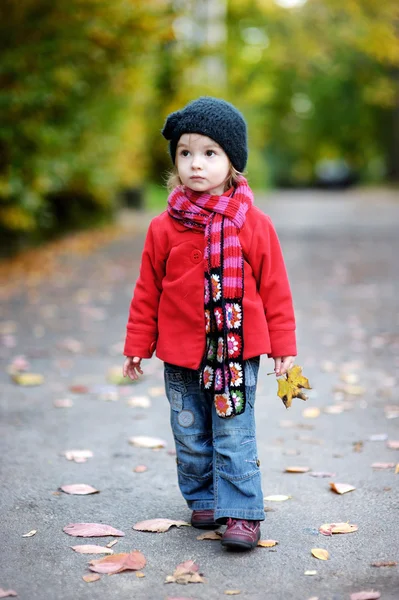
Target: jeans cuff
(247, 515)
(201, 505)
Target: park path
(341, 251)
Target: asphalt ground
(68, 321)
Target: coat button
(196, 256)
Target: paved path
(341, 252)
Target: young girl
(212, 296)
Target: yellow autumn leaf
(267, 543)
(320, 553)
(27, 379)
(297, 469)
(290, 386)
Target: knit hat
(215, 118)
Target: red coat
(167, 309)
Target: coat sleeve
(142, 326)
(266, 259)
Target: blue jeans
(217, 462)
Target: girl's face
(202, 164)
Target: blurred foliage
(86, 84)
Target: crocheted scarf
(221, 218)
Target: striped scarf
(221, 218)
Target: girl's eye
(210, 152)
(184, 153)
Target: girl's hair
(173, 180)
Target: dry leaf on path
(290, 386)
(232, 592)
(378, 465)
(159, 525)
(79, 389)
(90, 577)
(341, 488)
(142, 441)
(393, 444)
(320, 553)
(267, 543)
(310, 572)
(79, 489)
(63, 403)
(277, 498)
(92, 549)
(186, 572)
(311, 412)
(91, 530)
(111, 544)
(210, 535)
(397, 469)
(389, 563)
(140, 469)
(7, 593)
(27, 379)
(369, 595)
(330, 528)
(297, 469)
(30, 534)
(139, 574)
(78, 456)
(132, 561)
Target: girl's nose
(196, 162)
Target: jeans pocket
(175, 388)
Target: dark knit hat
(214, 118)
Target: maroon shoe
(241, 535)
(203, 519)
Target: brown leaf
(389, 563)
(320, 553)
(78, 456)
(143, 441)
(79, 489)
(139, 574)
(79, 389)
(92, 549)
(393, 444)
(7, 593)
(186, 572)
(158, 525)
(297, 469)
(378, 465)
(91, 530)
(358, 446)
(210, 535)
(369, 595)
(31, 533)
(27, 379)
(330, 528)
(341, 488)
(140, 469)
(267, 543)
(90, 577)
(132, 561)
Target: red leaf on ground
(369, 595)
(7, 593)
(133, 561)
(91, 530)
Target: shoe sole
(205, 525)
(239, 544)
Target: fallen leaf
(210, 535)
(277, 498)
(186, 572)
(334, 409)
(63, 403)
(27, 379)
(311, 412)
(320, 553)
(92, 549)
(390, 563)
(90, 577)
(78, 456)
(232, 592)
(79, 389)
(378, 465)
(393, 444)
(330, 528)
(397, 469)
(158, 525)
(139, 402)
(7, 593)
(290, 386)
(369, 595)
(140, 469)
(30, 534)
(341, 488)
(79, 489)
(19, 363)
(111, 544)
(297, 469)
(91, 530)
(132, 561)
(357, 446)
(321, 474)
(142, 441)
(310, 573)
(139, 574)
(267, 543)
(378, 437)
(349, 378)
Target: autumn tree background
(85, 86)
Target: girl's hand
(132, 367)
(282, 364)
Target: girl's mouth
(196, 177)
